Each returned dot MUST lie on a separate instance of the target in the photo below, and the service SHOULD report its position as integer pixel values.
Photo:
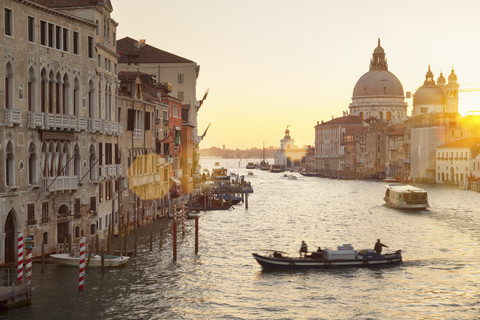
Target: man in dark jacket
(303, 248)
(378, 246)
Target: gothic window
(76, 161)
(66, 160)
(43, 93)
(59, 160)
(76, 97)
(92, 164)
(32, 165)
(31, 90)
(65, 95)
(91, 94)
(10, 165)
(389, 116)
(9, 86)
(57, 94)
(50, 93)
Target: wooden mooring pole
(43, 256)
(196, 235)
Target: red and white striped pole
(81, 265)
(29, 265)
(183, 218)
(20, 257)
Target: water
(439, 279)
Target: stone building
(55, 125)
(378, 93)
(434, 123)
(289, 156)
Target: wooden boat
(276, 168)
(404, 196)
(73, 260)
(345, 256)
(209, 202)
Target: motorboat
(250, 173)
(250, 165)
(403, 196)
(276, 168)
(344, 256)
(73, 260)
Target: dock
(15, 296)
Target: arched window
(50, 92)
(51, 161)
(31, 89)
(10, 165)
(92, 164)
(9, 85)
(91, 94)
(77, 232)
(92, 228)
(43, 91)
(32, 165)
(59, 160)
(58, 91)
(99, 99)
(44, 161)
(66, 160)
(389, 116)
(76, 161)
(106, 102)
(45, 238)
(76, 97)
(65, 95)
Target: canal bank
(438, 279)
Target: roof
(344, 120)
(130, 51)
(70, 3)
(464, 143)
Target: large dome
(428, 95)
(378, 83)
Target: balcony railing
(11, 117)
(62, 183)
(35, 120)
(138, 133)
(95, 125)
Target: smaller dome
(441, 80)
(452, 77)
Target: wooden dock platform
(15, 296)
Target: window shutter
(131, 120)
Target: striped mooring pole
(81, 265)
(20, 257)
(183, 218)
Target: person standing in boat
(303, 248)
(378, 247)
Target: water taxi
(276, 168)
(403, 196)
(250, 165)
(344, 256)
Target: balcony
(95, 125)
(60, 121)
(119, 170)
(31, 222)
(61, 183)
(35, 120)
(11, 117)
(138, 133)
(45, 219)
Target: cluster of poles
(84, 260)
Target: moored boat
(250, 165)
(345, 256)
(404, 196)
(73, 260)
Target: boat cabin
(220, 174)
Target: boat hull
(268, 262)
(95, 260)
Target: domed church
(379, 93)
(437, 97)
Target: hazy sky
(273, 63)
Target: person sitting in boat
(378, 247)
(317, 254)
(303, 248)
(277, 254)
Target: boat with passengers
(344, 256)
(404, 196)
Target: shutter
(147, 121)
(131, 120)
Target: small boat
(250, 165)
(309, 174)
(73, 260)
(276, 168)
(292, 177)
(403, 196)
(345, 256)
(250, 173)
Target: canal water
(439, 279)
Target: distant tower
(452, 93)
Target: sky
(273, 63)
